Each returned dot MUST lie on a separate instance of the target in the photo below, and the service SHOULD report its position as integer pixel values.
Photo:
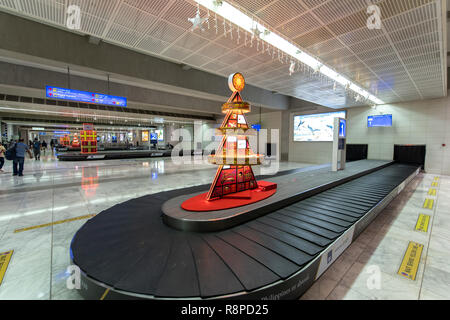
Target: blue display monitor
(153, 137)
(384, 120)
(257, 126)
(84, 96)
(342, 128)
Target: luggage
(10, 154)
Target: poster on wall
(144, 136)
(315, 127)
(160, 134)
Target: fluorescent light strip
(245, 22)
(87, 115)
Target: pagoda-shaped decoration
(234, 184)
(75, 141)
(234, 155)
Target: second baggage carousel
(127, 252)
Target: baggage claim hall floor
(42, 211)
(348, 98)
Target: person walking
(37, 149)
(44, 146)
(19, 159)
(2, 157)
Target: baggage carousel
(128, 252)
(108, 155)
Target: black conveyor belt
(129, 248)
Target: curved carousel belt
(127, 252)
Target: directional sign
(342, 128)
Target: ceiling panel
(400, 62)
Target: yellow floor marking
(422, 222)
(56, 222)
(432, 192)
(104, 294)
(5, 257)
(428, 204)
(434, 184)
(410, 263)
(436, 178)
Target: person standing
(37, 149)
(2, 156)
(19, 159)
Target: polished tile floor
(52, 191)
(368, 268)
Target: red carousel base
(199, 203)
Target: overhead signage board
(85, 96)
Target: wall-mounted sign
(160, 134)
(342, 128)
(384, 120)
(316, 127)
(85, 96)
(37, 129)
(144, 136)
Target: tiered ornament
(75, 141)
(234, 155)
(234, 184)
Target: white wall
(421, 122)
(270, 121)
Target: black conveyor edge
(129, 250)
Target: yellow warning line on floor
(5, 257)
(428, 204)
(422, 222)
(53, 223)
(410, 263)
(434, 184)
(432, 192)
(104, 294)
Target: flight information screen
(85, 96)
(316, 127)
(384, 120)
